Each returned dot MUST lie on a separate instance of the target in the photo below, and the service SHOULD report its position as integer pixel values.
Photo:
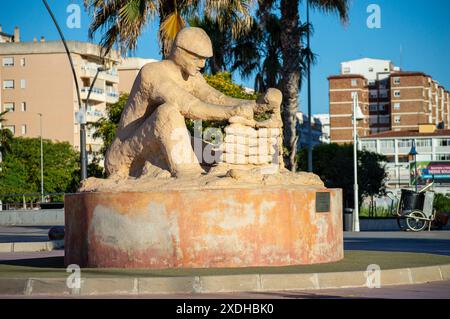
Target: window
(12, 128)
(397, 93)
(404, 143)
(24, 129)
(8, 84)
(22, 61)
(443, 142)
(8, 62)
(382, 107)
(387, 143)
(396, 80)
(23, 84)
(371, 82)
(373, 94)
(370, 69)
(24, 106)
(385, 119)
(373, 107)
(346, 70)
(423, 142)
(8, 107)
(397, 119)
(442, 157)
(369, 144)
(354, 82)
(397, 106)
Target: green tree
(222, 82)
(6, 136)
(125, 20)
(333, 163)
(21, 168)
(105, 127)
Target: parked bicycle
(414, 210)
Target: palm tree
(293, 68)
(6, 136)
(125, 20)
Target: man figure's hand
(245, 110)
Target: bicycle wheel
(416, 221)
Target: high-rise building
(390, 99)
(36, 78)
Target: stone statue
(163, 95)
(153, 148)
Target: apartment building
(5, 37)
(397, 100)
(341, 107)
(128, 70)
(432, 145)
(319, 135)
(36, 78)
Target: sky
(420, 28)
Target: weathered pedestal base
(245, 227)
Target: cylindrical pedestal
(246, 227)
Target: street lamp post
(413, 153)
(84, 162)
(357, 115)
(42, 158)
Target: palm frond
(169, 28)
(341, 7)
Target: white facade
(371, 69)
(325, 121)
(396, 149)
(319, 136)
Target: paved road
(10, 234)
(434, 242)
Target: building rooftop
(78, 47)
(344, 76)
(410, 73)
(412, 133)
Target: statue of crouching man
(163, 95)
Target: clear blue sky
(420, 27)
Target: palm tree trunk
(290, 49)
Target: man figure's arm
(209, 94)
(195, 108)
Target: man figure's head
(191, 48)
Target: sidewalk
(46, 275)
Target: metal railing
(31, 201)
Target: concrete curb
(218, 284)
(25, 247)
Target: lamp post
(84, 162)
(357, 116)
(413, 153)
(42, 158)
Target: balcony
(89, 71)
(112, 97)
(97, 94)
(442, 149)
(94, 116)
